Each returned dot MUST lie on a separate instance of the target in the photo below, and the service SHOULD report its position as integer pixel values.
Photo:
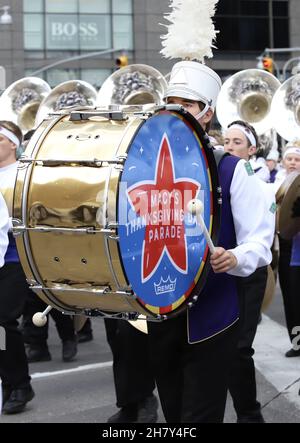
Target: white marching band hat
(194, 81)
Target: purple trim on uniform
(273, 176)
(11, 255)
(295, 258)
(217, 305)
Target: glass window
(33, 5)
(61, 6)
(281, 9)
(281, 37)
(255, 8)
(33, 31)
(95, 77)
(56, 76)
(94, 6)
(122, 32)
(95, 32)
(71, 32)
(122, 6)
(62, 31)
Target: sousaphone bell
(285, 109)
(135, 84)
(21, 100)
(247, 95)
(67, 95)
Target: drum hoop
(104, 221)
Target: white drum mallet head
(195, 207)
(40, 318)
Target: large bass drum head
(164, 252)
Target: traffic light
(268, 64)
(121, 61)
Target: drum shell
(65, 260)
(66, 206)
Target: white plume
(192, 32)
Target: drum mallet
(195, 208)
(40, 318)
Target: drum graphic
(100, 212)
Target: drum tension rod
(109, 115)
(94, 163)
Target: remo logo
(161, 246)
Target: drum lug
(18, 227)
(23, 163)
(85, 115)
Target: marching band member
(272, 163)
(192, 354)
(290, 162)
(133, 377)
(241, 140)
(17, 390)
(288, 268)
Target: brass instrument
(288, 223)
(21, 101)
(285, 110)
(133, 85)
(247, 95)
(67, 95)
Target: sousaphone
(136, 84)
(247, 95)
(21, 101)
(67, 95)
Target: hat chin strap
(202, 113)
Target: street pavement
(82, 391)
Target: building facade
(60, 40)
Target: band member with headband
(249, 150)
(240, 139)
(272, 163)
(288, 268)
(17, 390)
(290, 162)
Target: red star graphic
(163, 203)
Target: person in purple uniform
(192, 354)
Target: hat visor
(183, 92)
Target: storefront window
(237, 19)
(122, 6)
(33, 31)
(61, 6)
(122, 35)
(70, 31)
(77, 25)
(94, 6)
(33, 5)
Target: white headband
(246, 132)
(10, 135)
(291, 151)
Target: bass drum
(100, 212)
